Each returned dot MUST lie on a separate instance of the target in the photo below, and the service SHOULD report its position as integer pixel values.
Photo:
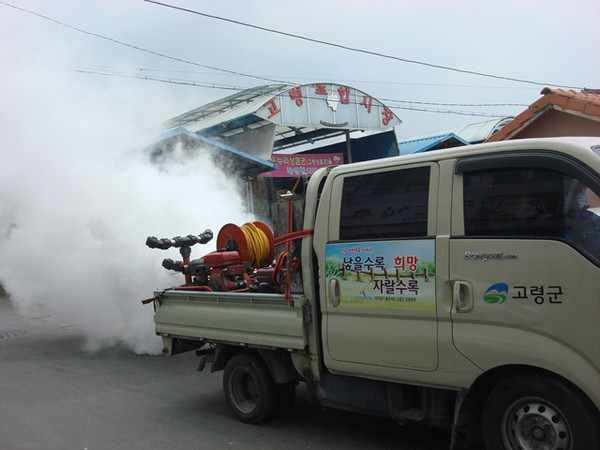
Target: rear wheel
(249, 389)
(539, 413)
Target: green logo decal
(496, 293)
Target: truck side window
(385, 205)
(531, 202)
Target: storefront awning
(245, 164)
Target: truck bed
(263, 320)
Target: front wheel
(249, 389)
(539, 413)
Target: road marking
(12, 334)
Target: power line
(236, 88)
(443, 111)
(101, 71)
(341, 81)
(233, 72)
(219, 69)
(152, 52)
(214, 86)
(388, 82)
(357, 50)
(107, 73)
(207, 85)
(453, 104)
(160, 79)
(388, 101)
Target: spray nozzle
(169, 264)
(154, 242)
(179, 241)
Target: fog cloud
(77, 201)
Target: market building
(254, 133)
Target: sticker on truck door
(385, 275)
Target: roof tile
(585, 102)
(576, 105)
(592, 110)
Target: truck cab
(465, 269)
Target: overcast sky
(548, 42)
(76, 204)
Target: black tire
(286, 394)
(249, 388)
(538, 412)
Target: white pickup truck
(456, 288)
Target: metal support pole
(249, 196)
(348, 147)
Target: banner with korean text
(388, 275)
(296, 165)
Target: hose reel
(254, 241)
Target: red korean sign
(328, 105)
(296, 165)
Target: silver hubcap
(244, 390)
(535, 424)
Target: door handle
(334, 292)
(462, 296)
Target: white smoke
(77, 202)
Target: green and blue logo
(496, 293)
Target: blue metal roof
(271, 118)
(248, 164)
(446, 140)
(300, 113)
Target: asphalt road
(55, 395)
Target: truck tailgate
(241, 318)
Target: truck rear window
(384, 205)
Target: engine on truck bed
(244, 260)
